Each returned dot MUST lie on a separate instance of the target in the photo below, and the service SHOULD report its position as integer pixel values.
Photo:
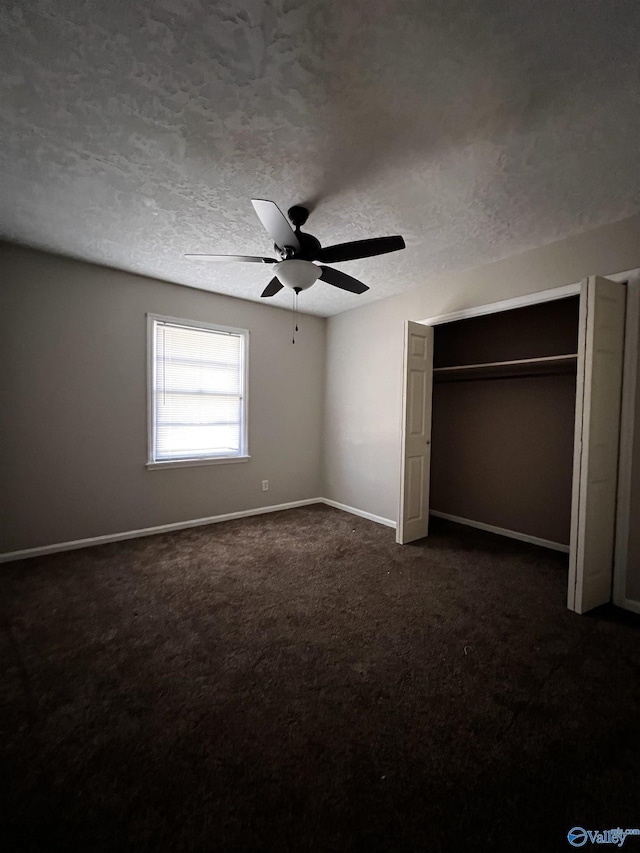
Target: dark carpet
(299, 682)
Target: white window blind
(198, 401)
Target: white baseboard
(216, 519)
(512, 534)
(625, 603)
(368, 515)
(148, 531)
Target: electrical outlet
(265, 485)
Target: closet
(511, 423)
(504, 393)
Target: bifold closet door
(595, 470)
(413, 516)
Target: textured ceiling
(132, 132)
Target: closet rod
(512, 363)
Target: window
(197, 392)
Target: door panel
(413, 517)
(415, 472)
(598, 401)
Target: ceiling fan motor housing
(309, 248)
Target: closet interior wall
(503, 434)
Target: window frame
(188, 462)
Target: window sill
(190, 463)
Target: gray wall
(73, 420)
(502, 453)
(364, 356)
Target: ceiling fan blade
(275, 223)
(272, 288)
(360, 249)
(342, 280)
(245, 259)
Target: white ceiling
(132, 132)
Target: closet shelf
(547, 365)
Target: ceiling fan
(298, 252)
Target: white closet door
(413, 517)
(598, 395)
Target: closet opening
(503, 421)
